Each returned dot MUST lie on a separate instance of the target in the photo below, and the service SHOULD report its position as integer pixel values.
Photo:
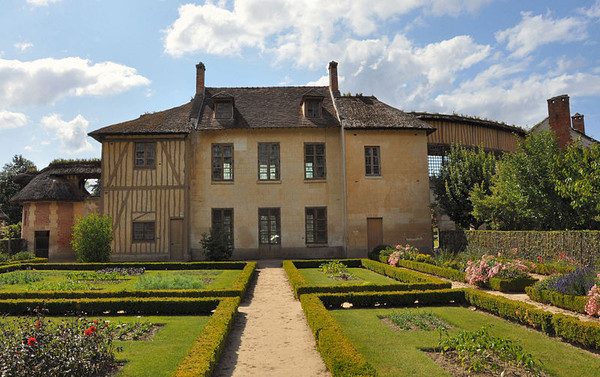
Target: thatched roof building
(60, 181)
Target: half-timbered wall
(147, 194)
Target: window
(222, 162)
(316, 225)
(268, 161)
(372, 161)
(269, 226)
(435, 164)
(144, 155)
(143, 231)
(223, 218)
(314, 161)
(223, 110)
(312, 108)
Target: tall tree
(8, 188)
(578, 180)
(462, 171)
(524, 193)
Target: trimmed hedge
(547, 269)
(393, 299)
(32, 260)
(152, 266)
(582, 245)
(511, 285)
(411, 280)
(129, 306)
(569, 302)
(204, 354)
(340, 356)
(427, 268)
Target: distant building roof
(470, 120)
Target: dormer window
(224, 109)
(312, 107)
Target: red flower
(38, 325)
(90, 331)
(31, 341)
(95, 321)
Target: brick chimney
(333, 77)
(200, 69)
(578, 124)
(559, 118)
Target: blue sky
(68, 67)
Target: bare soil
(270, 336)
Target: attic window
(312, 107)
(223, 109)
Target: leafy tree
(463, 170)
(524, 193)
(8, 188)
(216, 244)
(578, 180)
(91, 238)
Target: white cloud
(22, 46)
(507, 93)
(71, 134)
(302, 29)
(38, 3)
(593, 11)
(535, 31)
(11, 120)
(43, 81)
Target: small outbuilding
(52, 200)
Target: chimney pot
(559, 118)
(200, 69)
(333, 77)
(578, 123)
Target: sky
(68, 67)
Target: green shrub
(4, 258)
(216, 245)
(91, 238)
(22, 255)
(511, 285)
(20, 277)
(569, 302)
(160, 281)
(374, 254)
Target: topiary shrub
(216, 244)
(374, 254)
(91, 238)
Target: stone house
(288, 172)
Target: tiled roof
(171, 121)
(362, 112)
(270, 107)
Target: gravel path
(270, 336)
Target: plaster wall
(400, 196)
(246, 194)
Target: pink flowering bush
(593, 305)
(408, 252)
(479, 272)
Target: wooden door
(41, 243)
(374, 232)
(269, 232)
(176, 239)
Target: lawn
(397, 353)
(44, 280)
(160, 355)
(362, 276)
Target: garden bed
(206, 279)
(369, 276)
(350, 357)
